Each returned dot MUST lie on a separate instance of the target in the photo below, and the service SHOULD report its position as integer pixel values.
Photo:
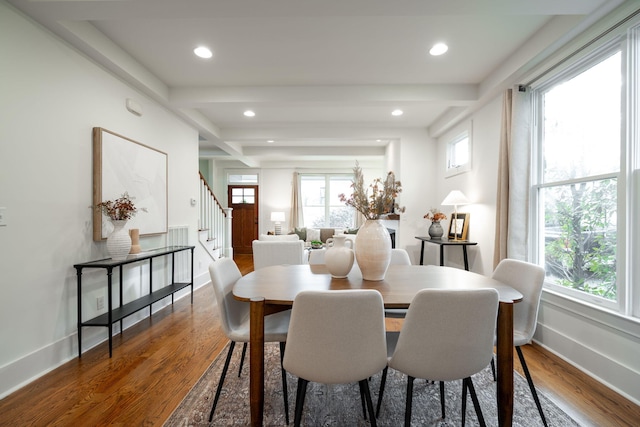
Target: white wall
(51, 99)
(479, 185)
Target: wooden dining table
(273, 289)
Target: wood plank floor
(156, 362)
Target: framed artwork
(123, 165)
(458, 226)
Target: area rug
(340, 405)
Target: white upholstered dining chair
(336, 337)
(234, 317)
(526, 278)
(447, 335)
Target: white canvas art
(123, 165)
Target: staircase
(214, 224)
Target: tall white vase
(373, 250)
(119, 241)
(339, 257)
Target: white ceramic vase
(119, 241)
(339, 257)
(373, 250)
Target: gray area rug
(340, 405)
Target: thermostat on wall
(134, 107)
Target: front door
(244, 224)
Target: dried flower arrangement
(381, 200)
(119, 209)
(435, 215)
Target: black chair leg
(442, 398)
(407, 411)
(493, 368)
(383, 382)
(464, 402)
(362, 400)
(285, 390)
(531, 386)
(300, 395)
(476, 403)
(364, 387)
(224, 373)
(244, 353)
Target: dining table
(273, 289)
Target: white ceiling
(318, 74)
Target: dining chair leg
(285, 390)
(476, 403)
(244, 353)
(464, 402)
(300, 395)
(362, 400)
(221, 381)
(531, 386)
(493, 368)
(407, 411)
(364, 387)
(442, 398)
(383, 382)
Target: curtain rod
(580, 49)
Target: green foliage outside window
(580, 236)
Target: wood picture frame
(458, 230)
(123, 165)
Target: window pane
(320, 202)
(579, 236)
(460, 152)
(243, 179)
(581, 129)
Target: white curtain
(296, 203)
(512, 208)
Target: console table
(115, 314)
(446, 242)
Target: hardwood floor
(157, 361)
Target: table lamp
(454, 199)
(278, 218)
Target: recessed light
(203, 52)
(270, 141)
(438, 49)
(397, 112)
(249, 113)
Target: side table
(446, 242)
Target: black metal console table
(115, 314)
(446, 242)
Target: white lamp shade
(455, 198)
(277, 216)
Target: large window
(321, 206)
(577, 179)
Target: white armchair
(276, 252)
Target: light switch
(3, 217)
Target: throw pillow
(301, 232)
(313, 234)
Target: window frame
(453, 170)
(327, 204)
(537, 176)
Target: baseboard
(618, 377)
(23, 371)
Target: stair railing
(215, 219)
